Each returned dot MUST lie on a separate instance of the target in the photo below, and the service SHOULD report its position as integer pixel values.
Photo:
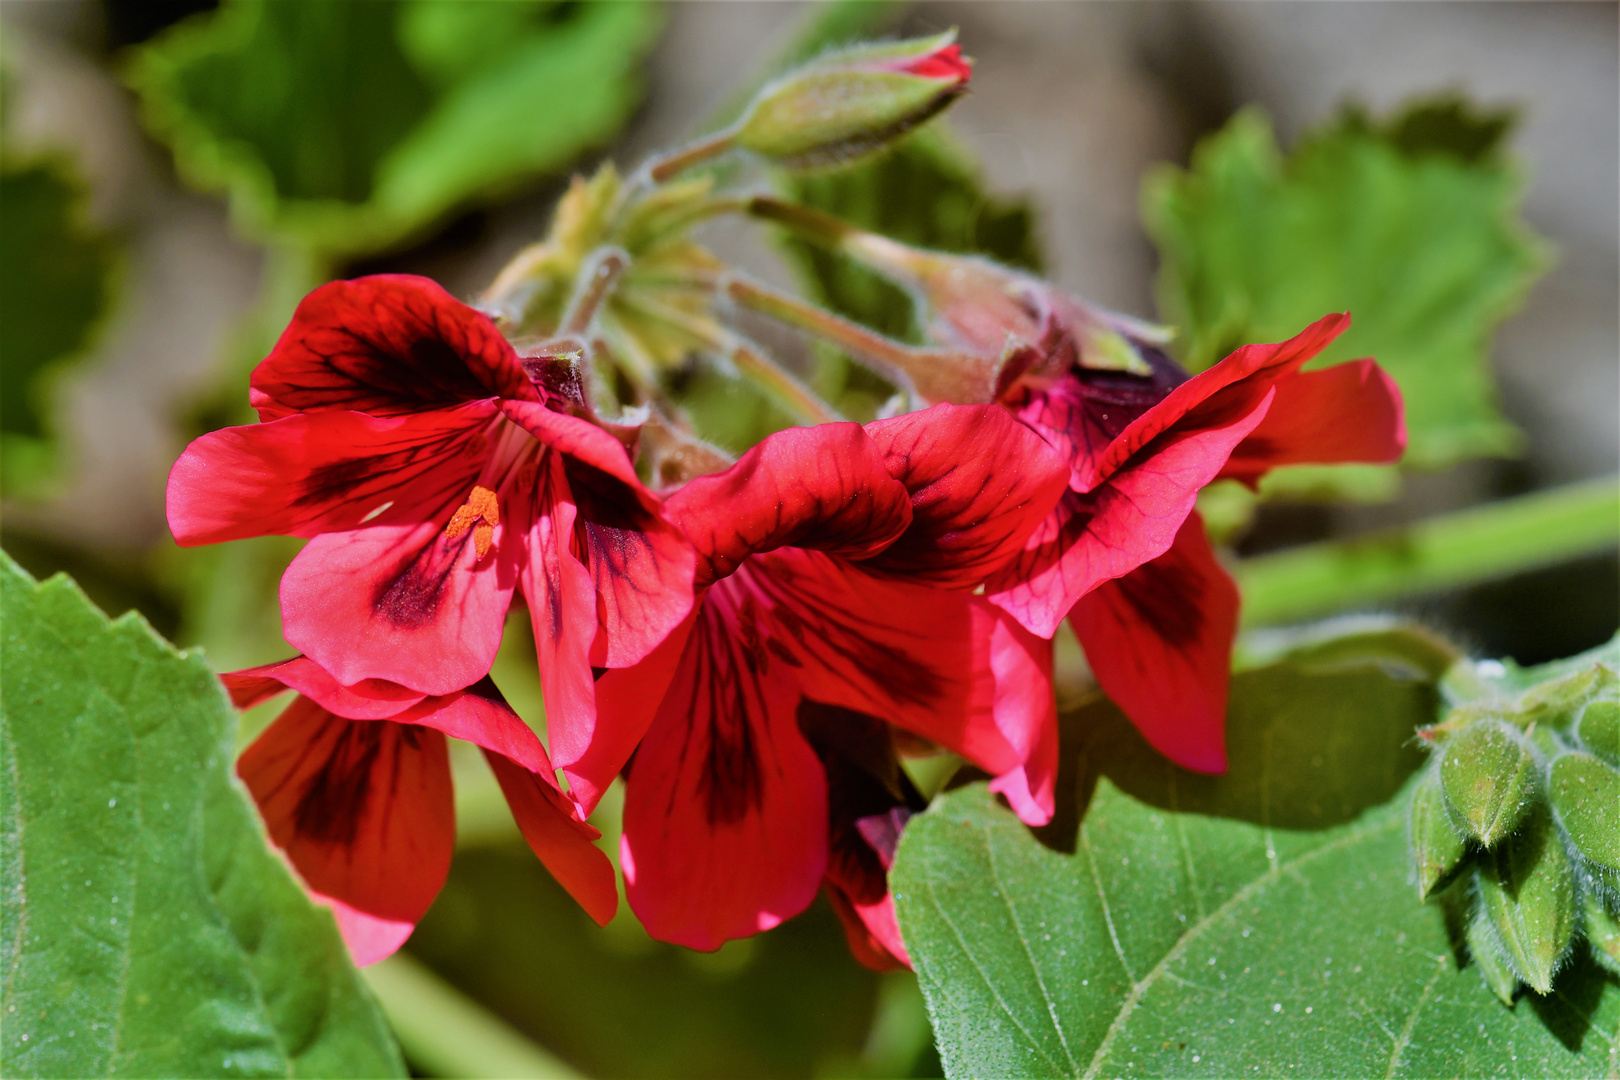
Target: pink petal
(370, 699)
(401, 603)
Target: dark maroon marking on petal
(410, 467)
(331, 804)
(842, 637)
(728, 699)
(1169, 597)
(864, 780)
(485, 688)
(412, 598)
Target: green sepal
(846, 103)
(1586, 794)
(1599, 729)
(1602, 930)
(1490, 956)
(1527, 890)
(1559, 703)
(1439, 848)
(1488, 775)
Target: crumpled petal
(979, 482)
(825, 487)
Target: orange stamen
(480, 513)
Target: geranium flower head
(401, 434)
(836, 565)
(354, 786)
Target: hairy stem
(676, 161)
(602, 272)
(1478, 544)
(892, 359)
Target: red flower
(1123, 554)
(353, 783)
(835, 564)
(400, 433)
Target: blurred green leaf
(56, 283)
(1412, 226)
(1256, 923)
(351, 127)
(150, 930)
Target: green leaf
(1257, 923)
(352, 127)
(56, 282)
(149, 929)
(1412, 227)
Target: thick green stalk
(1478, 544)
(445, 1033)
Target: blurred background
(173, 176)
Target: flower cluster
(756, 645)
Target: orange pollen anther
(480, 513)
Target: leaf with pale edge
(1257, 923)
(352, 127)
(148, 928)
(1412, 226)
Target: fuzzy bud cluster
(1521, 805)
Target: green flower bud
(1435, 841)
(1527, 891)
(1488, 775)
(1602, 930)
(845, 103)
(1557, 703)
(1586, 794)
(1490, 956)
(1599, 729)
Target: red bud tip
(946, 65)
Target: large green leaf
(1257, 923)
(56, 279)
(350, 127)
(148, 928)
(1412, 227)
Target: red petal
(305, 475)
(825, 487)
(640, 564)
(1213, 396)
(562, 611)
(980, 482)
(1348, 412)
(1026, 711)
(870, 929)
(563, 843)
(363, 808)
(371, 699)
(368, 938)
(627, 700)
(480, 715)
(389, 344)
(725, 814)
(1160, 643)
(918, 657)
(1130, 520)
(401, 603)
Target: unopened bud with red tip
(851, 101)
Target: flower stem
(818, 228)
(1478, 544)
(445, 1033)
(602, 272)
(661, 168)
(891, 359)
(782, 386)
